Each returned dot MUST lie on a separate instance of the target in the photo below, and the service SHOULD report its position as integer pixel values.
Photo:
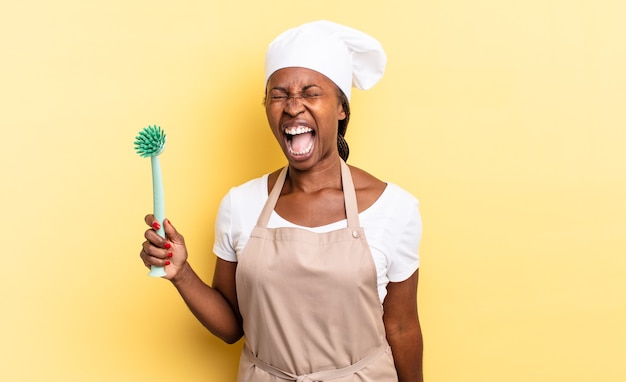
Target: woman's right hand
(169, 252)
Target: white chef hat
(346, 56)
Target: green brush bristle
(150, 141)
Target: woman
(317, 262)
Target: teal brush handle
(159, 207)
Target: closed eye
(310, 95)
(279, 97)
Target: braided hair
(342, 145)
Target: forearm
(407, 347)
(208, 305)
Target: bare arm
(403, 328)
(215, 307)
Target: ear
(341, 112)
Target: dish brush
(150, 143)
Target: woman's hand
(169, 252)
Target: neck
(325, 175)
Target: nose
(294, 105)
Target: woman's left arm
(403, 328)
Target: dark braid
(343, 148)
(342, 145)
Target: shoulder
(368, 188)
(244, 197)
(249, 188)
(393, 204)
(374, 190)
(237, 215)
(403, 196)
(364, 180)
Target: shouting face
(303, 108)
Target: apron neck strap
(349, 197)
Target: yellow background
(505, 118)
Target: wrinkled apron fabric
(309, 302)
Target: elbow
(397, 330)
(229, 336)
(231, 339)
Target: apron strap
(319, 376)
(264, 218)
(349, 196)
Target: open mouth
(299, 140)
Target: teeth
(305, 151)
(297, 130)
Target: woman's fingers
(151, 221)
(156, 250)
(172, 234)
(153, 251)
(145, 258)
(167, 252)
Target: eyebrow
(304, 88)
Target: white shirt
(392, 226)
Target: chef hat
(346, 56)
